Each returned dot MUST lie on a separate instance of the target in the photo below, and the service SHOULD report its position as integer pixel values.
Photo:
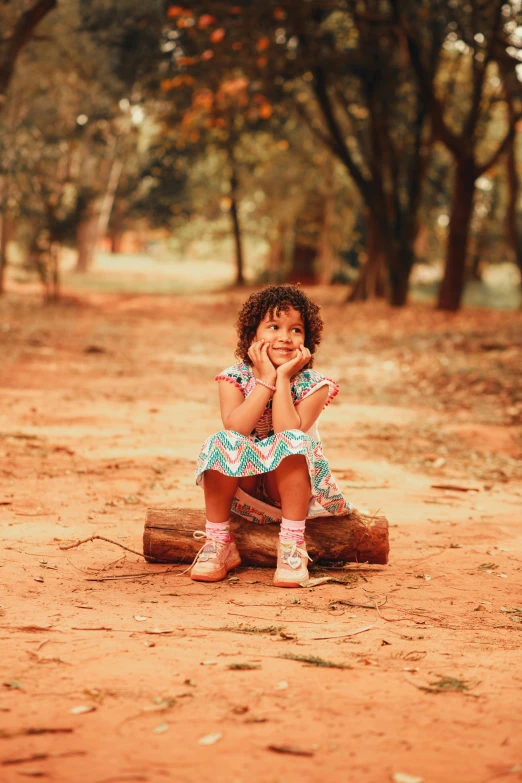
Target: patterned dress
(262, 451)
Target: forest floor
(114, 670)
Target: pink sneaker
(214, 560)
(292, 561)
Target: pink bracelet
(264, 383)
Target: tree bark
(452, 286)
(371, 283)
(86, 237)
(21, 34)
(399, 271)
(168, 538)
(513, 232)
(4, 238)
(236, 225)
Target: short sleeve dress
(234, 454)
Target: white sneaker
(292, 561)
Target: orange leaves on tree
(262, 62)
(234, 86)
(263, 44)
(236, 9)
(217, 35)
(265, 111)
(186, 60)
(203, 99)
(237, 46)
(205, 20)
(175, 11)
(178, 81)
(208, 54)
(283, 144)
(279, 14)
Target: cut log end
(355, 538)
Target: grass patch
(270, 629)
(446, 684)
(314, 660)
(242, 666)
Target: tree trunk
(513, 233)
(452, 286)
(308, 228)
(238, 245)
(234, 215)
(21, 34)
(4, 238)
(54, 272)
(371, 283)
(86, 237)
(116, 227)
(168, 538)
(399, 271)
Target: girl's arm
(238, 413)
(287, 416)
(241, 414)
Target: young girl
(267, 465)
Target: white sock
(292, 530)
(219, 530)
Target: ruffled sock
(220, 531)
(292, 530)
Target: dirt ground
(117, 670)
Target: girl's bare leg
(219, 492)
(290, 484)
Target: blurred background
(159, 148)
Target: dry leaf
(81, 709)
(210, 739)
(402, 777)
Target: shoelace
(199, 535)
(301, 552)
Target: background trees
(348, 135)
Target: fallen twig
(360, 605)
(290, 749)
(342, 635)
(140, 575)
(455, 487)
(109, 541)
(42, 756)
(34, 732)
(267, 619)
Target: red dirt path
(104, 405)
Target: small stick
(102, 538)
(455, 487)
(127, 576)
(342, 635)
(268, 619)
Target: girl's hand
(262, 366)
(291, 368)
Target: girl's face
(284, 332)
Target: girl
(267, 465)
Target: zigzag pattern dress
(234, 454)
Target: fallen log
(356, 538)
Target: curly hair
(277, 299)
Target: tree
(21, 26)
(337, 65)
(469, 33)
